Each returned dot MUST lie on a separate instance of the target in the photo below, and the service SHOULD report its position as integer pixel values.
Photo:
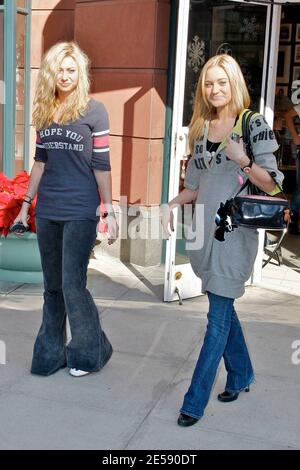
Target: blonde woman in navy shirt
(70, 171)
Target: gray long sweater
(224, 267)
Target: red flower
(5, 183)
(12, 192)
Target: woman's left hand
(113, 228)
(235, 151)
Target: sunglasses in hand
(18, 228)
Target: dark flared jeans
(65, 248)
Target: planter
(20, 259)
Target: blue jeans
(224, 337)
(65, 249)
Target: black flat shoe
(185, 420)
(226, 397)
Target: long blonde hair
(46, 100)
(203, 110)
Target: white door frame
(178, 147)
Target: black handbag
(256, 209)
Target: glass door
(16, 75)
(206, 28)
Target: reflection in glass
(1, 89)
(184, 221)
(20, 62)
(233, 28)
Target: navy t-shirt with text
(71, 152)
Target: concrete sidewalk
(133, 402)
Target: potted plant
(19, 256)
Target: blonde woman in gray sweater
(218, 168)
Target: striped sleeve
(100, 135)
(40, 151)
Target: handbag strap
(246, 118)
(252, 189)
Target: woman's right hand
(167, 219)
(166, 210)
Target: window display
(288, 74)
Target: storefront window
(20, 111)
(228, 27)
(1, 89)
(14, 72)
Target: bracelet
(248, 167)
(27, 199)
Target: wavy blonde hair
(46, 99)
(203, 110)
